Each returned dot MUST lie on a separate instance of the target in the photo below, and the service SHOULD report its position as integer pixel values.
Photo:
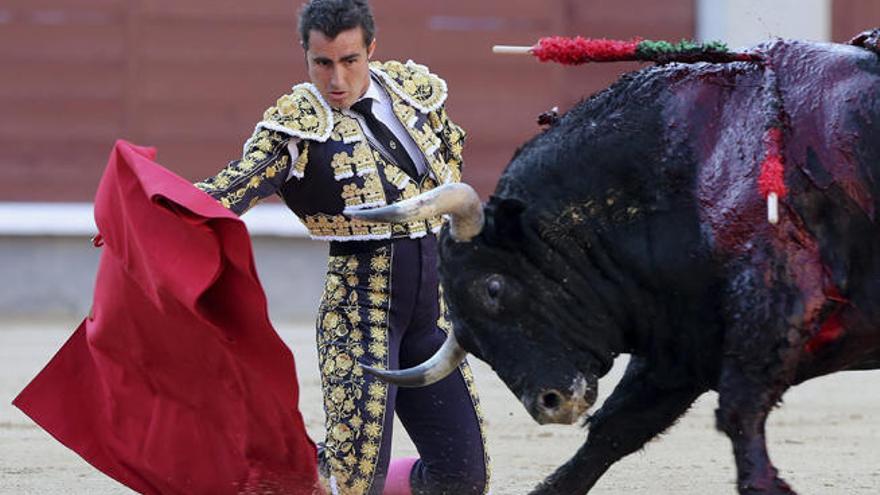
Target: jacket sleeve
(263, 168)
(452, 136)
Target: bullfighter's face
(339, 67)
(521, 319)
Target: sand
(825, 438)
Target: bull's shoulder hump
(303, 113)
(413, 82)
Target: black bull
(636, 224)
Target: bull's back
(825, 98)
(831, 96)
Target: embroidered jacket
(337, 166)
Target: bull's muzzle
(560, 406)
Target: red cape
(176, 383)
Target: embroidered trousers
(383, 308)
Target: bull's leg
(743, 408)
(637, 411)
(761, 355)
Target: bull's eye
(491, 292)
(494, 286)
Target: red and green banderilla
(578, 50)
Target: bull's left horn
(436, 368)
(458, 200)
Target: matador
(365, 134)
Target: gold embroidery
(428, 184)
(331, 227)
(426, 139)
(378, 283)
(375, 316)
(346, 130)
(241, 182)
(286, 107)
(341, 166)
(406, 113)
(299, 168)
(360, 162)
(380, 263)
(360, 486)
(264, 144)
(435, 121)
(354, 403)
(302, 113)
(410, 191)
(257, 155)
(396, 176)
(371, 194)
(435, 224)
(414, 83)
(373, 430)
(446, 161)
(377, 333)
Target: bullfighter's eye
(494, 285)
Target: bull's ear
(508, 219)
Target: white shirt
(384, 112)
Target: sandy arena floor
(825, 438)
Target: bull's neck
(619, 294)
(646, 274)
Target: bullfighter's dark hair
(331, 17)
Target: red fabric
(578, 50)
(176, 383)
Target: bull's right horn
(436, 368)
(458, 200)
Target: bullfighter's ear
(508, 219)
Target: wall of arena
(192, 77)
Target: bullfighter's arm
(263, 168)
(638, 410)
(452, 138)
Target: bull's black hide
(635, 225)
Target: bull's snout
(555, 406)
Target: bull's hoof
(774, 486)
(544, 489)
(557, 486)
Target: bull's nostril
(551, 400)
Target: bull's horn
(436, 368)
(458, 200)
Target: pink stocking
(397, 480)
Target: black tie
(384, 135)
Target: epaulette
(414, 83)
(303, 114)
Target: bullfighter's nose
(555, 406)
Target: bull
(637, 225)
